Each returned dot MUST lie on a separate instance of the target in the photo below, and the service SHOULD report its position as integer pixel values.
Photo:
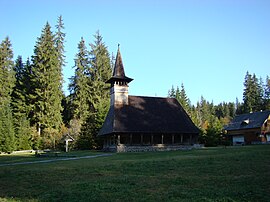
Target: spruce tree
(7, 140)
(248, 94)
(47, 83)
(253, 94)
(171, 93)
(79, 84)
(100, 72)
(6, 74)
(20, 106)
(21, 89)
(183, 99)
(59, 42)
(78, 101)
(7, 136)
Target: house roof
(67, 137)
(248, 121)
(148, 115)
(118, 71)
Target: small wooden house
(251, 128)
(139, 123)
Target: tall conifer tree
(7, 140)
(172, 93)
(79, 86)
(253, 94)
(59, 42)
(183, 99)
(20, 105)
(47, 83)
(100, 72)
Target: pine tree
(6, 82)
(47, 83)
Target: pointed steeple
(119, 83)
(119, 71)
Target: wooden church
(139, 123)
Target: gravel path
(54, 160)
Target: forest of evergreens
(212, 118)
(35, 113)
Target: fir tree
(20, 90)
(171, 93)
(79, 84)
(7, 136)
(253, 94)
(20, 106)
(59, 42)
(247, 94)
(6, 83)
(79, 98)
(6, 72)
(100, 72)
(47, 83)
(183, 99)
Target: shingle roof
(248, 121)
(148, 115)
(118, 71)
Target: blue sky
(207, 45)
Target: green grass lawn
(212, 174)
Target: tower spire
(119, 71)
(119, 82)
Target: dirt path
(54, 160)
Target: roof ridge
(266, 111)
(145, 96)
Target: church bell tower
(119, 83)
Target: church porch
(149, 142)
